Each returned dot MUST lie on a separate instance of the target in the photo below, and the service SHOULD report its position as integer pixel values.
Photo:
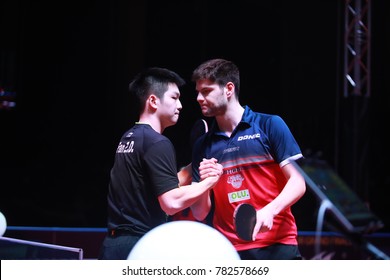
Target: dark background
(70, 62)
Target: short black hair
(153, 80)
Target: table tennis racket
(245, 221)
(199, 128)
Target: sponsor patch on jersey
(235, 180)
(248, 137)
(239, 196)
(230, 150)
(125, 147)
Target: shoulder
(148, 133)
(262, 119)
(148, 139)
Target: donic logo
(248, 137)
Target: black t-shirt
(144, 168)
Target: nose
(199, 97)
(179, 105)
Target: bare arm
(291, 193)
(185, 175)
(182, 197)
(202, 206)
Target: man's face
(211, 98)
(170, 106)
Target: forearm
(185, 175)
(183, 197)
(291, 193)
(201, 207)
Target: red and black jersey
(252, 158)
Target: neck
(232, 117)
(154, 123)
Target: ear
(229, 89)
(152, 101)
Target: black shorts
(117, 247)
(272, 252)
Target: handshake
(210, 168)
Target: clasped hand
(210, 168)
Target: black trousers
(272, 252)
(117, 247)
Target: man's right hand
(210, 168)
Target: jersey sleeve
(160, 160)
(283, 143)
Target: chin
(206, 114)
